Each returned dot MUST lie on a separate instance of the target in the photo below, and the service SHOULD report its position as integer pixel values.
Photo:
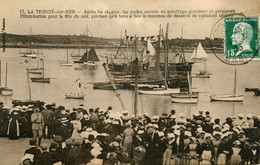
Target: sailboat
(76, 91)
(29, 101)
(41, 79)
(6, 91)
(67, 62)
(187, 98)
(38, 69)
(199, 54)
(29, 53)
(92, 58)
(83, 59)
(229, 98)
(165, 90)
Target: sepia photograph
(136, 82)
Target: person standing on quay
(37, 124)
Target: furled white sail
(150, 49)
(199, 53)
(150, 54)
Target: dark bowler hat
(32, 142)
(61, 107)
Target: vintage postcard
(136, 82)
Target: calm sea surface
(62, 77)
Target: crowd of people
(97, 136)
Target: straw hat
(241, 115)
(223, 136)
(171, 135)
(161, 134)
(249, 116)
(207, 135)
(140, 132)
(217, 133)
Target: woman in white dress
(76, 127)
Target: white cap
(89, 129)
(208, 135)
(155, 126)
(181, 115)
(187, 133)
(175, 127)
(155, 117)
(139, 132)
(216, 126)
(161, 134)
(249, 116)
(241, 115)
(223, 136)
(217, 133)
(171, 135)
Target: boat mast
(29, 88)
(205, 66)
(38, 58)
(30, 39)
(114, 86)
(157, 65)
(67, 56)
(6, 75)
(0, 74)
(166, 57)
(189, 81)
(136, 81)
(42, 68)
(235, 82)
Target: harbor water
(62, 78)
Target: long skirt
(206, 155)
(170, 159)
(221, 159)
(13, 129)
(185, 160)
(75, 134)
(235, 159)
(194, 162)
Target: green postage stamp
(241, 38)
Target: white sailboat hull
(6, 92)
(185, 95)
(159, 92)
(185, 100)
(227, 98)
(32, 55)
(90, 66)
(71, 96)
(67, 64)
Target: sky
(196, 28)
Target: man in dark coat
(4, 120)
(74, 155)
(33, 150)
(45, 157)
(48, 119)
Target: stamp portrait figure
(241, 37)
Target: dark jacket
(35, 152)
(45, 159)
